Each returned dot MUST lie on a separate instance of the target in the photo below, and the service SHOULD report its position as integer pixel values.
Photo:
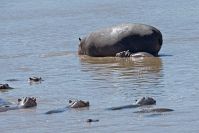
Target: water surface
(41, 38)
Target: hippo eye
(80, 39)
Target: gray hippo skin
(26, 102)
(35, 79)
(72, 104)
(141, 102)
(132, 37)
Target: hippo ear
(80, 39)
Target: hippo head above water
(146, 101)
(4, 86)
(27, 102)
(35, 79)
(78, 104)
(81, 49)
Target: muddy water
(41, 38)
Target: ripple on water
(56, 53)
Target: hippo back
(132, 37)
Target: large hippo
(132, 37)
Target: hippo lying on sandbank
(26, 102)
(132, 37)
(72, 104)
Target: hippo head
(81, 49)
(27, 102)
(146, 101)
(78, 104)
(4, 86)
(123, 54)
(35, 79)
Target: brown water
(41, 38)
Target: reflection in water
(139, 72)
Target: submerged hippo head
(35, 79)
(27, 102)
(123, 54)
(141, 54)
(146, 101)
(78, 104)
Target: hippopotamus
(134, 55)
(4, 102)
(143, 102)
(140, 102)
(35, 79)
(132, 37)
(26, 102)
(5, 86)
(72, 104)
